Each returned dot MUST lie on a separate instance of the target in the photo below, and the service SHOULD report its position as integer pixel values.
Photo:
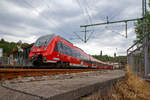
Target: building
(21, 57)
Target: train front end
(41, 49)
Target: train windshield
(44, 40)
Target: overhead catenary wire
(45, 17)
(48, 4)
(78, 2)
(90, 17)
(115, 31)
(94, 35)
(90, 35)
(115, 15)
(112, 22)
(78, 36)
(86, 13)
(86, 9)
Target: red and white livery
(52, 49)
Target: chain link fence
(138, 57)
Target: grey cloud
(69, 16)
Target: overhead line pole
(112, 22)
(146, 63)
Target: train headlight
(32, 58)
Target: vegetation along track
(6, 73)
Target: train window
(79, 55)
(63, 50)
(66, 49)
(73, 53)
(76, 53)
(58, 47)
(70, 51)
(44, 40)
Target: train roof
(66, 40)
(48, 35)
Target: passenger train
(53, 49)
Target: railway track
(9, 73)
(41, 67)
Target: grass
(132, 88)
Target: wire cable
(78, 36)
(114, 31)
(78, 2)
(35, 9)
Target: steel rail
(6, 74)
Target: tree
(101, 53)
(107, 58)
(9, 47)
(139, 27)
(114, 54)
(2, 40)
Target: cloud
(27, 20)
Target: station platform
(59, 87)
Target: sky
(27, 20)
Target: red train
(52, 49)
